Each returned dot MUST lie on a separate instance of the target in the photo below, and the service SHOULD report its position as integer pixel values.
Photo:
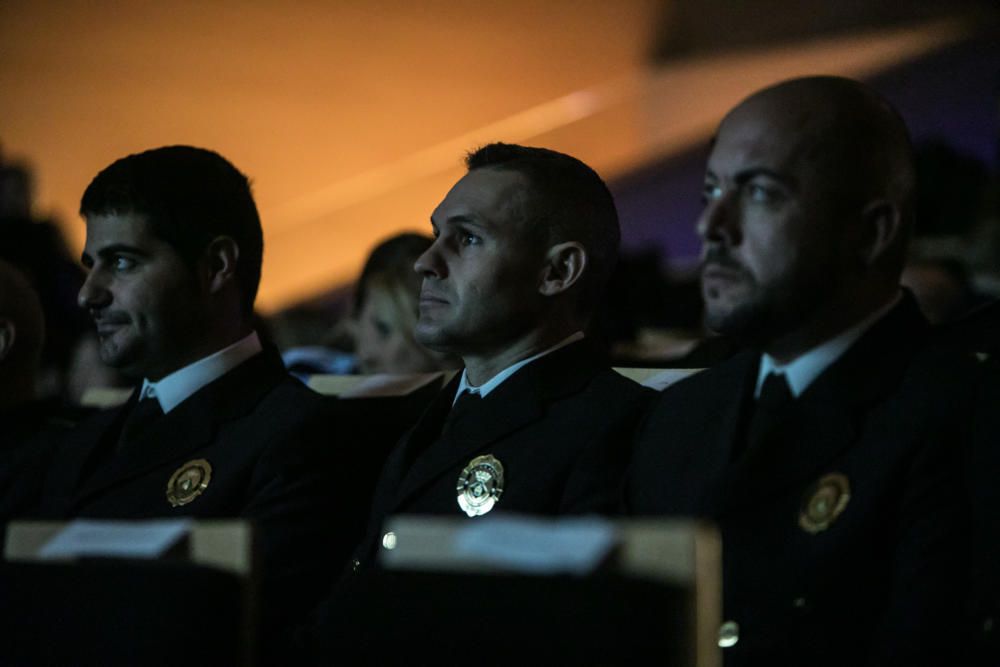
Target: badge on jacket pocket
(188, 482)
(824, 502)
(480, 485)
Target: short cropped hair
(567, 201)
(190, 196)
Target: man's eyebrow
(751, 173)
(464, 220)
(112, 250)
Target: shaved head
(809, 198)
(852, 136)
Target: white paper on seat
(120, 539)
(537, 546)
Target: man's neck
(205, 347)
(174, 389)
(828, 324)
(480, 368)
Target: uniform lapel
(426, 431)
(70, 464)
(516, 403)
(192, 424)
(832, 411)
(721, 434)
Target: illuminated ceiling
(352, 117)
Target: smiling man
(829, 452)
(524, 245)
(216, 427)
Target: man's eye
(123, 263)
(710, 192)
(469, 239)
(761, 193)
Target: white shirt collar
(803, 370)
(175, 388)
(499, 378)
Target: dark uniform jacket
(262, 433)
(560, 427)
(978, 332)
(883, 428)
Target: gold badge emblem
(480, 485)
(824, 502)
(188, 482)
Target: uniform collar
(175, 388)
(499, 378)
(803, 370)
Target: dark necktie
(465, 403)
(137, 422)
(771, 414)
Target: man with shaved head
(828, 452)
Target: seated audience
(536, 422)
(524, 244)
(829, 452)
(215, 427)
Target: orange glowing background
(351, 118)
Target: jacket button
(729, 634)
(800, 603)
(389, 541)
(355, 565)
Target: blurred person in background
(22, 333)
(37, 248)
(941, 287)
(29, 423)
(376, 334)
(386, 310)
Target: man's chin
(740, 322)
(123, 363)
(433, 338)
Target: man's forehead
(764, 135)
(116, 228)
(491, 195)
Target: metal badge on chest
(824, 502)
(188, 482)
(480, 485)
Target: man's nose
(720, 221)
(93, 293)
(431, 264)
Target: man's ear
(882, 226)
(8, 332)
(564, 264)
(219, 262)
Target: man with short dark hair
(524, 245)
(829, 452)
(216, 428)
